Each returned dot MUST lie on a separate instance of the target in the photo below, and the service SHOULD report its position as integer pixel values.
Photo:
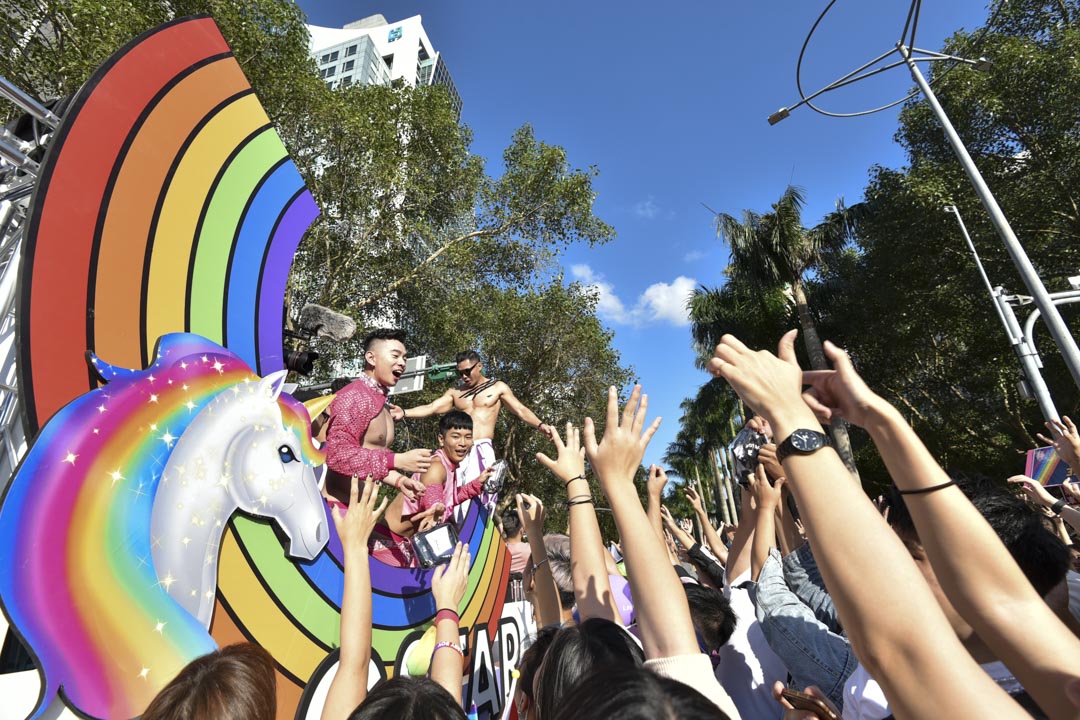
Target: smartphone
(494, 482)
(809, 703)
(435, 546)
(745, 449)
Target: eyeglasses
(463, 372)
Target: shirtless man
(482, 398)
(360, 430)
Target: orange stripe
(225, 632)
(118, 287)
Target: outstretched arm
(588, 567)
(448, 587)
(715, 542)
(439, 406)
(349, 687)
(655, 482)
(767, 498)
(659, 600)
(527, 416)
(897, 628)
(545, 592)
(985, 585)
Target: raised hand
(618, 454)
(531, 511)
(396, 413)
(354, 527)
(1072, 489)
(765, 382)
(694, 498)
(656, 481)
(448, 582)
(767, 458)
(1065, 439)
(570, 461)
(1034, 490)
(840, 392)
(766, 496)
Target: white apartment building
(372, 51)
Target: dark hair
(557, 548)
(409, 698)
(511, 522)
(455, 420)
(633, 693)
(468, 355)
(382, 334)
(533, 658)
(1042, 557)
(577, 651)
(712, 614)
(235, 682)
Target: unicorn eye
(286, 454)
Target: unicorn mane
(77, 578)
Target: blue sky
(671, 107)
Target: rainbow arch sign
(167, 203)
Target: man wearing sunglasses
(482, 398)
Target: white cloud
(694, 256)
(661, 302)
(647, 208)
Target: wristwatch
(803, 442)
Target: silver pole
(1058, 330)
(14, 94)
(1029, 359)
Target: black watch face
(806, 440)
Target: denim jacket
(804, 579)
(814, 654)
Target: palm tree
(774, 251)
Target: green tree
(773, 250)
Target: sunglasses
(467, 371)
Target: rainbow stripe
(293, 608)
(77, 578)
(166, 203)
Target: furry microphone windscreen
(327, 323)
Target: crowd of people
(953, 596)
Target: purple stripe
(275, 274)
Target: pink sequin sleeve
(350, 414)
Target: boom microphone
(326, 323)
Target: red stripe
(72, 202)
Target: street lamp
(1021, 343)
(910, 56)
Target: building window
(334, 56)
(345, 81)
(325, 58)
(351, 50)
(348, 65)
(322, 73)
(330, 71)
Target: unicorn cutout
(109, 531)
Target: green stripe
(220, 226)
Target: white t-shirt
(748, 666)
(865, 700)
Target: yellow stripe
(260, 618)
(175, 233)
